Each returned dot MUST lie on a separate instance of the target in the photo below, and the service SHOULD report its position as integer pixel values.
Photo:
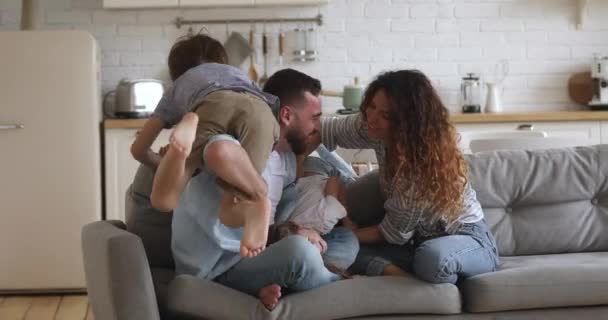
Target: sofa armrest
(119, 282)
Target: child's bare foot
(184, 133)
(269, 296)
(227, 215)
(393, 270)
(257, 219)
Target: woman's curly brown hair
(423, 145)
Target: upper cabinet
(289, 2)
(215, 3)
(135, 4)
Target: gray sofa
(547, 209)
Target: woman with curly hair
(431, 224)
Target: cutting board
(580, 88)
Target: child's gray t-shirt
(200, 81)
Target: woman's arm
(140, 149)
(369, 235)
(349, 132)
(401, 214)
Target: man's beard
(296, 140)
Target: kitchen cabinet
(589, 130)
(244, 3)
(133, 4)
(120, 167)
(289, 2)
(215, 3)
(143, 4)
(604, 132)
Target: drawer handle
(11, 126)
(525, 127)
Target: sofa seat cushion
(162, 278)
(544, 281)
(193, 298)
(342, 299)
(370, 296)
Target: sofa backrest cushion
(544, 201)
(151, 225)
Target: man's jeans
(444, 259)
(342, 248)
(293, 263)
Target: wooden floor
(57, 307)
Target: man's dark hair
(289, 86)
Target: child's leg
(238, 167)
(342, 196)
(172, 174)
(333, 187)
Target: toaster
(137, 98)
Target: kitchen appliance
(50, 178)
(470, 94)
(599, 74)
(137, 98)
(351, 95)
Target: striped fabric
(403, 220)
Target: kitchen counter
(456, 118)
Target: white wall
(443, 38)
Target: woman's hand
(349, 224)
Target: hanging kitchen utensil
(305, 45)
(237, 48)
(265, 53)
(281, 45)
(253, 74)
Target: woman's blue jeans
(444, 259)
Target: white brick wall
(444, 38)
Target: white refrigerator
(50, 164)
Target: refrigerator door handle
(11, 126)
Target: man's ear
(285, 115)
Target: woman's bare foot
(269, 296)
(184, 133)
(256, 215)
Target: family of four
(255, 211)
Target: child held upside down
(320, 202)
